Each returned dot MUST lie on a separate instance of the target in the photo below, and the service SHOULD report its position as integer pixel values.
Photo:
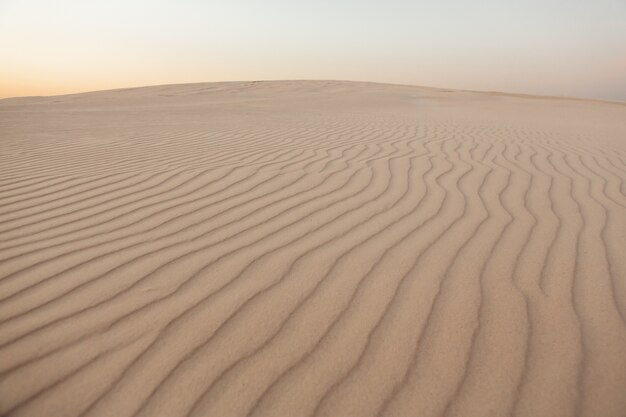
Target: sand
(312, 248)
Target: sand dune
(311, 248)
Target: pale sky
(548, 47)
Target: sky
(573, 48)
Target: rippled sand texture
(312, 248)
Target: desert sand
(312, 248)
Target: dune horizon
(399, 84)
(312, 248)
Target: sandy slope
(312, 248)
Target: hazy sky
(552, 47)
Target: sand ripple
(312, 249)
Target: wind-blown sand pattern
(312, 248)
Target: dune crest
(312, 248)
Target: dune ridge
(311, 248)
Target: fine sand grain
(312, 248)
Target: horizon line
(442, 89)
